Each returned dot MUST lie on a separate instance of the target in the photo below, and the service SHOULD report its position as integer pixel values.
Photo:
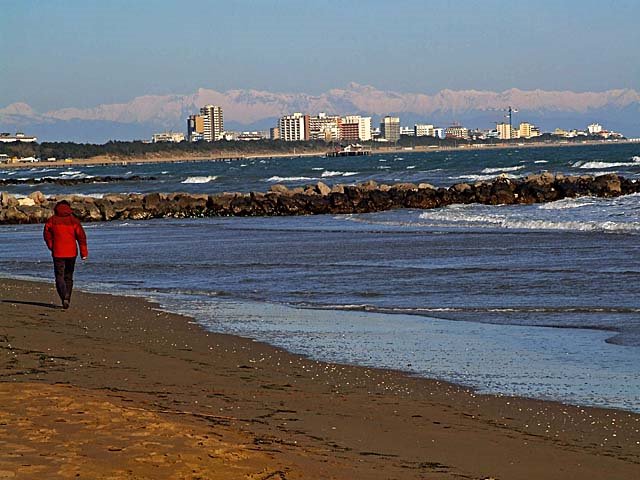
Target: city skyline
(259, 110)
(84, 54)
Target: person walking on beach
(61, 234)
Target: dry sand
(115, 389)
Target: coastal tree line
(230, 149)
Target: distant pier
(353, 150)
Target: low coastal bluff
(317, 199)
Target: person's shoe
(65, 304)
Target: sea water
(534, 300)
(441, 169)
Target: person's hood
(62, 210)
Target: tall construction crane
(510, 111)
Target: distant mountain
(252, 109)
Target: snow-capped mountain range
(253, 109)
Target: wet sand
(114, 388)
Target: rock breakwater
(317, 199)
(71, 180)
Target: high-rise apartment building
(365, 129)
(390, 128)
(195, 128)
(294, 128)
(527, 130)
(440, 133)
(350, 131)
(457, 131)
(324, 127)
(423, 130)
(213, 123)
(351, 123)
(506, 131)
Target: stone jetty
(71, 180)
(317, 199)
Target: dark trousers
(63, 269)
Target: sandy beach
(115, 388)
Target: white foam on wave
(276, 178)
(69, 175)
(329, 173)
(91, 195)
(597, 174)
(479, 178)
(503, 169)
(606, 165)
(200, 179)
(580, 226)
(317, 168)
(411, 167)
(541, 161)
(567, 203)
(451, 216)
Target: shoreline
(289, 416)
(265, 310)
(109, 160)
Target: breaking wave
(200, 179)
(329, 173)
(605, 165)
(461, 217)
(435, 310)
(276, 178)
(593, 165)
(503, 169)
(480, 178)
(567, 203)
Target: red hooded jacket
(62, 231)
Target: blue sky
(56, 54)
